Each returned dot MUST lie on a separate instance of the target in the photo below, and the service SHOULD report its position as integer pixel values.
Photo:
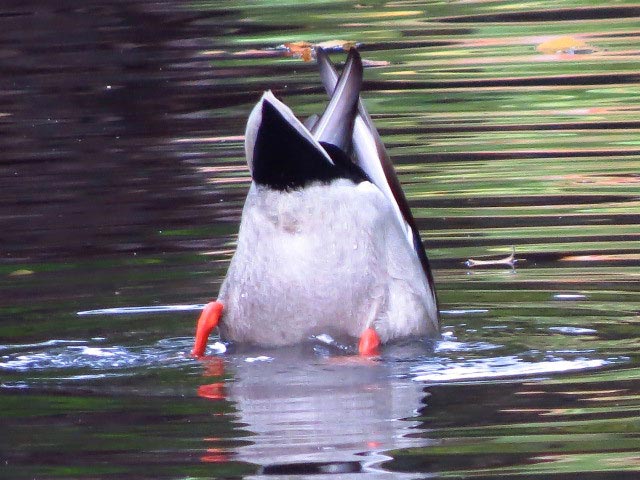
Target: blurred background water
(514, 127)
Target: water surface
(514, 128)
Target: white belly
(324, 259)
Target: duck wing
(372, 157)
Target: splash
(93, 356)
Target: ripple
(461, 311)
(92, 356)
(500, 367)
(453, 346)
(573, 330)
(48, 343)
(142, 309)
(79, 360)
(569, 296)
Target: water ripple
(143, 309)
(449, 360)
(92, 356)
(511, 366)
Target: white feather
(308, 262)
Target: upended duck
(327, 242)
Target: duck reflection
(317, 414)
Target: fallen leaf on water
(21, 272)
(567, 44)
(306, 50)
(297, 47)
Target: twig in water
(510, 260)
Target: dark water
(513, 127)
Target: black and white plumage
(327, 243)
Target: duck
(327, 243)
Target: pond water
(514, 127)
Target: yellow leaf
(21, 272)
(297, 47)
(300, 49)
(567, 44)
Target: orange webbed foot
(209, 319)
(369, 343)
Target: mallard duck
(327, 242)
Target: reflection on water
(324, 416)
(514, 128)
(307, 411)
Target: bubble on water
(325, 338)
(218, 348)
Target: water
(514, 128)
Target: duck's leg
(369, 343)
(370, 340)
(208, 320)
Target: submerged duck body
(324, 245)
